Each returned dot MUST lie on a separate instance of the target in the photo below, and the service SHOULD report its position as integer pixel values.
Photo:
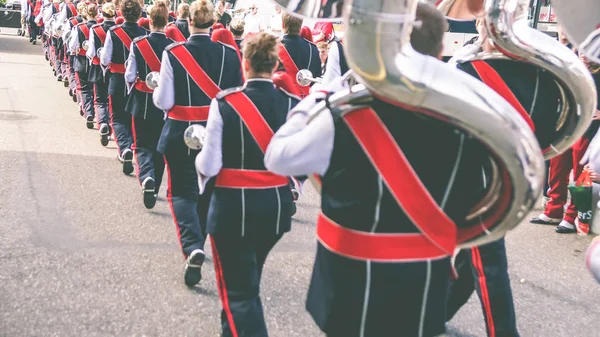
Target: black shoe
(539, 221)
(193, 268)
(46, 56)
(89, 121)
(128, 162)
(34, 42)
(564, 230)
(74, 96)
(149, 188)
(295, 194)
(59, 78)
(104, 133)
(66, 84)
(81, 113)
(30, 39)
(71, 93)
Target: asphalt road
(81, 256)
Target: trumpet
(152, 80)
(304, 78)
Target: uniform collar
(259, 83)
(158, 33)
(199, 37)
(130, 24)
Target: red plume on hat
(283, 80)
(119, 20)
(323, 31)
(144, 23)
(306, 34)
(218, 25)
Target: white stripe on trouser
(363, 319)
(242, 190)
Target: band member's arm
(299, 148)
(131, 70)
(62, 16)
(74, 41)
(210, 160)
(106, 56)
(164, 95)
(91, 52)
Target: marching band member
(237, 29)
(370, 278)
(56, 41)
(179, 30)
(34, 28)
(336, 60)
(251, 207)
(81, 64)
(147, 118)
(71, 13)
(116, 51)
(74, 83)
(296, 53)
(191, 74)
(96, 74)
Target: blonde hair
(322, 45)
(159, 14)
(202, 13)
(183, 10)
(237, 26)
(81, 8)
(109, 10)
(91, 11)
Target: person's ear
(246, 65)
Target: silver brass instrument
(507, 27)
(581, 22)
(152, 79)
(99, 51)
(304, 78)
(377, 48)
(194, 136)
(85, 45)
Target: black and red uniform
(147, 119)
(251, 208)
(98, 77)
(81, 66)
(296, 54)
(121, 37)
(192, 73)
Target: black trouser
(33, 28)
(189, 209)
(87, 94)
(120, 122)
(146, 133)
(485, 270)
(238, 264)
(101, 101)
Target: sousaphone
(377, 48)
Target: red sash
(74, 21)
(100, 33)
(86, 33)
(122, 35)
(30, 5)
(56, 6)
(489, 76)
(174, 33)
(262, 134)
(291, 68)
(189, 113)
(198, 75)
(142, 86)
(401, 179)
(148, 54)
(72, 8)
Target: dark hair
(429, 38)
(291, 24)
(159, 14)
(131, 10)
(262, 51)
